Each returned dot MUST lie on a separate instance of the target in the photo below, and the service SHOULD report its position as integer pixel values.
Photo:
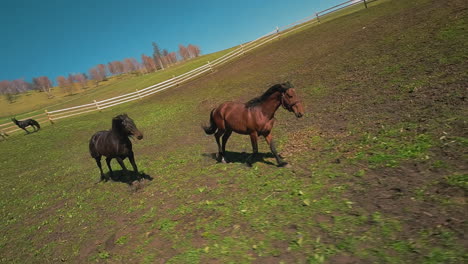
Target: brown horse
(254, 118)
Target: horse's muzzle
(138, 135)
(298, 115)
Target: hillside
(379, 172)
(33, 102)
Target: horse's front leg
(108, 160)
(98, 162)
(131, 157)
(253, 140)
(27, 132)
(269, 140)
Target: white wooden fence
(209, 67)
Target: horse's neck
(271, 104)
(118, 134)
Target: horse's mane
(280, 87)
(116, 121)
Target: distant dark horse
(25, 123)
(115, 143)
(254, 118)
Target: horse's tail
(35, 123)
(212, 128)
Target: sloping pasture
(379, 172)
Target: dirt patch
(346, 259)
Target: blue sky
(58, 37)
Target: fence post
(48, 117)
(97, 106)
(177, 83)
(317, 17)
(277, 32)
(139, 96)
(365, 3)
(242, 48)
(211, 68)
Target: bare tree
(4, 86)
(81, 79)
(111, 68)
(118, 67)
(172, 57)
(62, 82)
(20, 86)
(43, 84)
(71, 79)
(194, 51)
(7, 90)
(102, 71)
(130, 65)
(95, 75)
(183, 52)
(148, 63)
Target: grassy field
(379, 172)
(34, 102)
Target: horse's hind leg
(253, 140)
(120, 160)
(131, 157)
(98, 162)
(218, 134)
(226, 136)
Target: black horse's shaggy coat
(115, 143)
(25, 123)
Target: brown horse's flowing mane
(280, 87)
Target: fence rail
(207, 68)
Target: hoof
(284, 165)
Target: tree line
(158, 60)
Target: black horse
(115, 143)
(25, 123)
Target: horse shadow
(128, 177)
(31, 132)
(242, 157)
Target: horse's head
(125, 125)
(14, 120)
(290, 100)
